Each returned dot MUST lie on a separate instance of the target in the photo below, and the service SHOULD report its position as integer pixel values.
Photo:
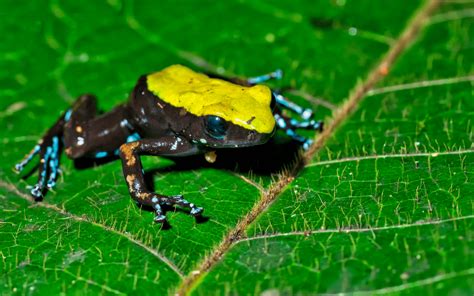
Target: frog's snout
(252, 136)
(259, 138)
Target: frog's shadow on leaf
(263, 160)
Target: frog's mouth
(247, 138)
(217, 133)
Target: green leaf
(384, 207)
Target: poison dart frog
(173, 112)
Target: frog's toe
(37, 192)
(180, 201)
(320, 125)
(160, 219)
(196, 211)
(157, 200)
(277, 74)
(307, 144)
(28, 157)
(51, 184)
(18, 167)
(306, 114)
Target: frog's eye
(216, 127)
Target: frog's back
(201, 95)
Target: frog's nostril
(252, 135)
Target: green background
(385, 207)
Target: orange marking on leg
(130, 180)
(127, 151)
(142, 195)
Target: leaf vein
(419, 283)
(420, 84)
(11, 188)
(355, 230)
(339, 116)
(401, 155)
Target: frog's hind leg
(48, 149)
(50, 146)
(93, 136)
(83, 111)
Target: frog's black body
(145, 125)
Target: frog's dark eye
(216, 127)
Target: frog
(175, 112)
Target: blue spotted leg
(82, 134)
(289, 125)
(48, 149)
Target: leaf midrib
(235, 234)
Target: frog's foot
(289, 125)
(305, 142)
(158, 200)
(306, 124)
(277, 74)
(48, 149)
(21, 165)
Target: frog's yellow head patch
(248, 107)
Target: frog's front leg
(133, 172)
(290, 125)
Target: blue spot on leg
(54, 163)
(133, 137)
(101, 154)
(38, 188)
(280, 121)
(281, 100)
(67, 115)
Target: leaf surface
(385, 205)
